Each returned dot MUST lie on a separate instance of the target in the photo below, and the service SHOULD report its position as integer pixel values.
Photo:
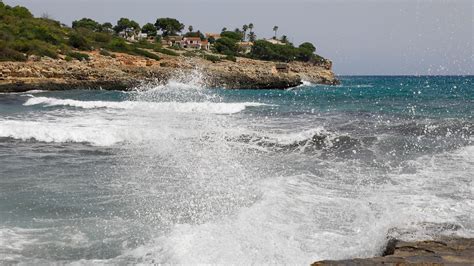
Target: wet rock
(448, 251)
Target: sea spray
(324, 173)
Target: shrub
(191, 53)
(165, 51)
(145, 44)
(212, 58)
(87, 23)
(118, 45)
(230, 58)
(78, 41)
(35, 47)
(226, 46)
(102, 37)
(8, 54)
(78, 56)
(106, 53)
(237, 36)
(145, 53)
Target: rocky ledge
(453, 251)
(124, 72)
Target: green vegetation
(162, 50)
(230, 58)
(125, 24)
(87, 23)
(150, 29)
(226, 46)
(120, 46)
(212, 58)
(106, 53)
(23, 35)
(264, 50)
(169, 26)
(78, 56)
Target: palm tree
(244, 28)
(190, 28)
(275, 29)
(284, 39)
(252, 36)
(250, 26)
(224, 29)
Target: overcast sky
(362, 37)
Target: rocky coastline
(445, 251)
(125, 72)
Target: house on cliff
(215, 36)
(245, 47)
(275, 41)
(171, 41)
(195, 43)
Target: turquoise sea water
(179, 173)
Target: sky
(361, 37)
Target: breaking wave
(177, 107)
(305, 141)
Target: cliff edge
(124, 72)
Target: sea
(179, 173)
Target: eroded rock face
(126, 71)
(453, 251)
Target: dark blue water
(184, 174)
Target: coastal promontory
(42, 53)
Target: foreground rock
(458, 251)
(126, 72)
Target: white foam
(177, 107)
(304, 218)
(61, 132)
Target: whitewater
(183, 174)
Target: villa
(195, 43)
(275, 41)
(215, 36)
(245, 47)
(173, 41)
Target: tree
(190, 28)
(245, 28)
(308, 46)
(275, 29)
(284, 39)
(125, 24)
(107, 27)
(251, 27)
(78, 41)
(226, 46)
(237, 36)
(169, 26)
(224, 29)
(252, 36)
(306, 52)
(195, 34)
(149, 29)
(87, 23)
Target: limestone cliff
(124, 72)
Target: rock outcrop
(126, 71)
(453, 251)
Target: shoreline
(125, 72)
(444, 251)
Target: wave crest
(177, 107)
